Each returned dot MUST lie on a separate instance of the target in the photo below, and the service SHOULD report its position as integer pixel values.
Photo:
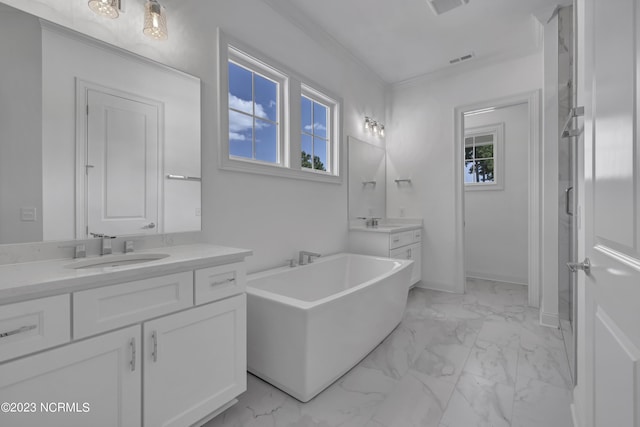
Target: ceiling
(401, 39)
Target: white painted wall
(496, 221)
(420, 145)
(20, 127)
(276, 217)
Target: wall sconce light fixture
(375, 127)
(155, 20)
(107, 8)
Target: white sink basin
(115, 260)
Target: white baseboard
(436, 286)
(497, 277)
(551, 320)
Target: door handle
(150, 225)
(584, 266)
(567, 194)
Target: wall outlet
(28, 215)
(198, 211)
(401, 212)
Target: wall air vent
(462, 58)
(442, 6)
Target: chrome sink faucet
(310, 256)
(105, 248)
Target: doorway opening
(482, 151)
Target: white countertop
(386, 228)
(30, 280)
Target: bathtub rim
(400, 264)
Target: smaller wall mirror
(367, 180)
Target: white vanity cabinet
(384, 241)
(98, 379)
(159, 351)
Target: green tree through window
(317, 163)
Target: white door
(97, 381)
(611, 346)
(122, 165)
(182, 387)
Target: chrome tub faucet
(310, 256)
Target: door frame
(532, 99)
(82, 90)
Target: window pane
(266, 93)
(469, 172)
(484, 151)
(468, 152)
(240, 135)
(240, 90)
(483, 139)
(266, 141)
(319, 120)
(484, 170)
(306, 115)
(307, 151)
(319, 154)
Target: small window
(253, 115)
(479, 162)
(318, 143)
(482, 158)
(255, 105)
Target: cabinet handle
(396, 239)
(20, 330)
(223, 282)
(132, 344)
(409, 253)
(154, 352)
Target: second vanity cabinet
(401, 244)
(160, 351)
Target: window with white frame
(272, 121)
(254, 109)
(317, 118)
(483, 157)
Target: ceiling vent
(442, 6)
(462, 58)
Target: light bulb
(108, 8)
(155, 21)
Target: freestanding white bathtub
(308, 325)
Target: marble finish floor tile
(418, 400)
(531, 396)
(479, 402)
(479, 359)
(495, 363)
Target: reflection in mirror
(367, 180)
(93, 139)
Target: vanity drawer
(397, 240)
(26, 327)
(219, 282)
(102, 309)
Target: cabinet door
(194, 363)
(95, 383)
(413, 252)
